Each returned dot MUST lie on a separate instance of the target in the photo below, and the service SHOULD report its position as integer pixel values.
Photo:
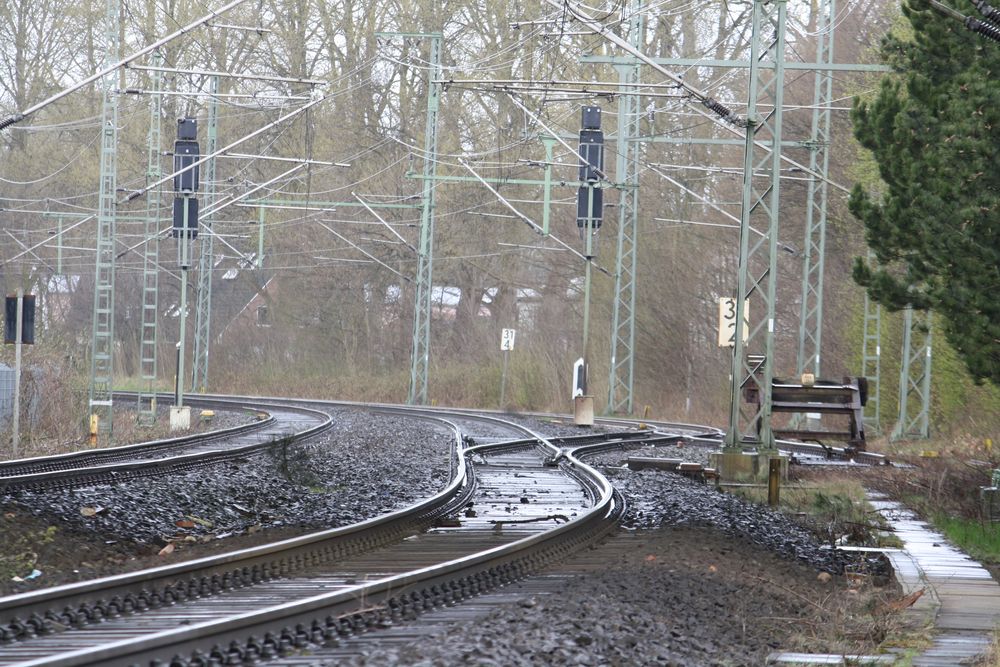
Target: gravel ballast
(348, 474)
(696, 577)
(663, 499)
(677, 596)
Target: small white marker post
(506, 345)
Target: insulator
(984, 28)
(717, 106)
(987, 10)
(10, 120)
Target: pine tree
(934, 226)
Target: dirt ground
(63, 554)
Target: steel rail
(148, 467)
(505, 563)
(89, 457)
(695, 433)
(35, 612)
(694, 429)
(323, 617)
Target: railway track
(519, 503)
(161, 457)
(659, 431)
(513, 504)
(697, 434)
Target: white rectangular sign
(507, 339)
(727, 321)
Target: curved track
(512, 506)
(160, 457)
(517, 508)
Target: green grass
(18, 556)
(981, 541)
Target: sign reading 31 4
(727, 321)
(507, 339)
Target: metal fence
(6, 396)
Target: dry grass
(126, 431)
(831, 503)
(945, 490)
(858, 620)
(992, 657)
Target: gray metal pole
(588, 231)
(184, 259)
(59, 246)
(503, 379)
(16, 443)
(179, 402)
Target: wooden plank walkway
(961, 599)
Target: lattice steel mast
(146, 412)
(620, 382)
(420, 359)
(913, 421)
(103, 333)
(814, 252)
(203, 314)
(750, 422)
(871, 360)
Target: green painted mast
(621, 380)
(750, 423)
(103, 333)
(420, 356)
(148, 368)
(814, 252)
(913, 421)
(203, 311)
(871, 360)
